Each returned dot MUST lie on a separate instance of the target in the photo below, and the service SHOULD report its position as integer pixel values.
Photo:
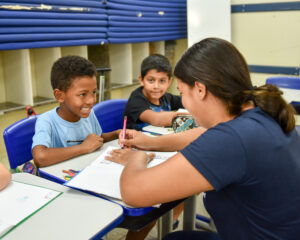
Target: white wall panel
(208, 19)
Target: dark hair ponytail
(268, 98)
(218, 65)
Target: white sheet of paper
(182, 110)
(4, 227)
(158, 130)
(103, 176)
(19, 200)
(160, 157)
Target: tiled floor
(120, 234)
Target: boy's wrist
(82, 149)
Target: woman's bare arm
(174, 179)
(166, 143)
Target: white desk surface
(73, 215)
(79, 163)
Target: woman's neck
(224, 116)
(248, 105)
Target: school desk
(134, 218)
(55, 173)
(72, 215)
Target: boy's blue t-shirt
(138, 103)
(254, 168)
(53, 132)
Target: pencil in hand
(124, 130)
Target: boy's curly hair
(67, 68)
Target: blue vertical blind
(52, 23)
(57, 23)
(132, 21)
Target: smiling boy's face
(77, 101)
(155, 85)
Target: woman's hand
(123, 156)
(135, 139)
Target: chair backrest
(284, 82)
(18, 141)
(110, 114)
(298, 130)
(290, 86)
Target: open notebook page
(19, 201)
(103, 176)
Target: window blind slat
(44, 44)
(50, 15)
(165, 4)
(48, 36)
(51, 29)
(50, 22)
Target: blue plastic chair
(18, 141)
(110, 114)
(287, 83)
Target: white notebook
(103, 176)
(18, 201)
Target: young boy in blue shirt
(71, 129)
(150, 104)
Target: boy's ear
(141, 81)
(200, 89)
(59, 95)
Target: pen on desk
(154, 134)
(71, 141)
(124, 129)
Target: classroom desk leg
(189, 213)
(165, 224)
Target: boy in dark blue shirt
(150, 104)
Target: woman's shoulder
(252, 119)
(252, 127)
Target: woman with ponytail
(247, 161)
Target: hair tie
(251, 96)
